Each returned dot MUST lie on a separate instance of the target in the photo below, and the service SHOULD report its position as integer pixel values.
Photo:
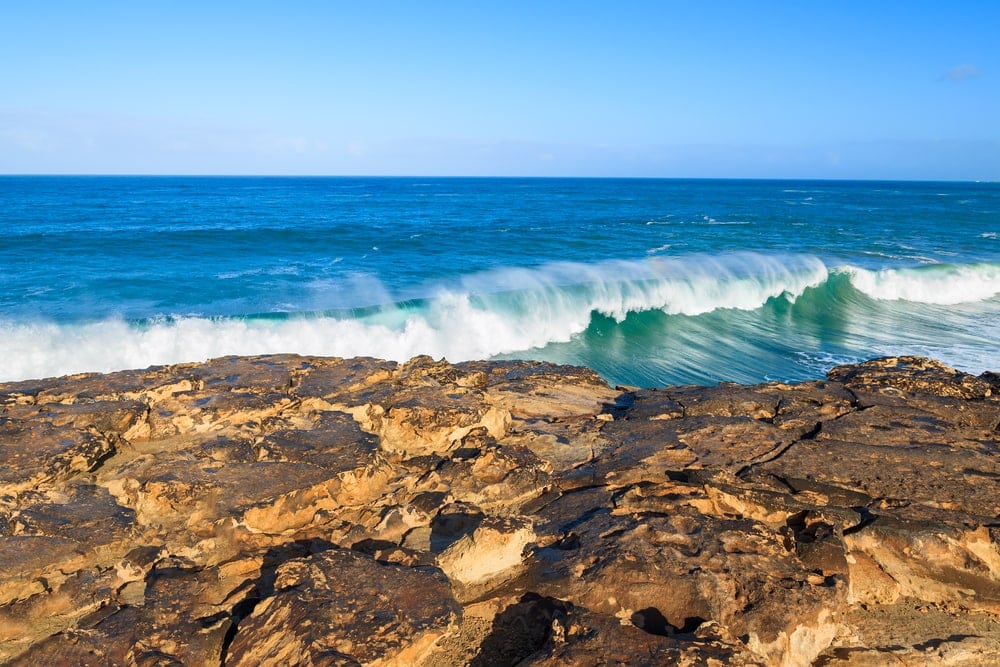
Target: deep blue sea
(649, 282)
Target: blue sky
(694, 89)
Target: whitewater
(649, 282)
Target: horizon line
(497, 177)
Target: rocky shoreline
(289, 510)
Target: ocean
(649, 282)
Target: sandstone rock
(655, 554)
(902, 376)
(897, 634)
(300, 510)
(491, 554)
(35, 452)
(340, 607)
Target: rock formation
(287, 510)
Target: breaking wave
(942, 284)
(531, 311)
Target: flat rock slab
(303, 510)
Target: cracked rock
(306, 510)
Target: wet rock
(300, 510)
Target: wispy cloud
(962, 72)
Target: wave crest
(480, 315)
(939, 284)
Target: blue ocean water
(649, 282)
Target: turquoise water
(649, 282)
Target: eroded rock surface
(289, 510)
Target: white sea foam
(689, 285)
(942, 284)
(495, 312)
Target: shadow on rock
(520, 630)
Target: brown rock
(340, 607)
(292, 510)
(902, 376)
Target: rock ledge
(284, 510)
